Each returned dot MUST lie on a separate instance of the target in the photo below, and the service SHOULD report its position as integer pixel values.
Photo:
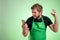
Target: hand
(53, 12)
(24, 25)
(23, 22)
(25, 28)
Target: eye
(33, 12)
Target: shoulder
(46, 18)
(30, 18)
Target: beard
(36, 17)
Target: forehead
(33, 10)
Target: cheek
(37, 14)
(33, 14)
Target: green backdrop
(13, 11)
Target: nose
(33, 14)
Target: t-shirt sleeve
(49, 21)
(29, 23)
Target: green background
(13, 11)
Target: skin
(37, 14)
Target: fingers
(53, 10)
(23, 22)
(24, 25)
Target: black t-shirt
(47, 21)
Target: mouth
(34, 17)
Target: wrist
(55, 16)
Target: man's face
(36, 13)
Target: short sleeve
(29, 23)
(49, 21)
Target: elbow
(55, 30)
(25, 33)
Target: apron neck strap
(41, 18)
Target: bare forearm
(55, 26)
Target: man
(38, 23)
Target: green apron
(38, 31)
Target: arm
(54, 27)
(25, 28)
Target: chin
(34, 17)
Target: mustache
(34, 15)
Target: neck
(40, 16)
